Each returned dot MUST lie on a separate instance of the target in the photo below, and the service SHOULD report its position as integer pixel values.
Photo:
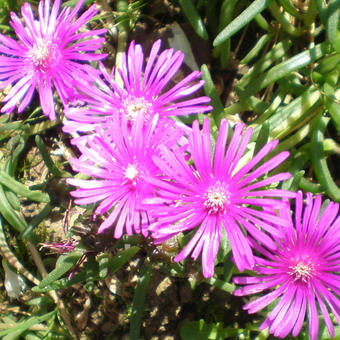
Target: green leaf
(138, 303)
(290, 8)
(262, 22)
(328, 64)
(9, 214)
(124, 256)
(319, 161)
(13, 200)
(40, 301)
(229, 268)
(226, 13)
(8, 128)
(22, 326)
(47, 158)
(286, 117)
(194, 18)
(32, 336)
(332, 97)
(227, 287)
(36, 220)
(308, 186)
(257, 105)
(211, 11)
(324, 335)
(15, 146)
(73, 3)
(333, 20)
(64, 263)
(285, 20)
(210, 90)
(4, 127)
(224, 248)
(298, 161)
(262, 138)
(63, 283)
(243, 19)
(276, 53)
(91, 269)
(322, 11)
(199, 330)
(334, 110)
(286, 67)
(293, 183)
(103, 261)
(21, 189)
(225, 17)
(255, 51)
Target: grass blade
(243, 19)
(194, 18)
(138, 303)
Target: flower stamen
(303, 269)
(131, 172)
(217, 198)
(134, 107)
(44, 55)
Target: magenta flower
(301, 273)
(141, 93)
(118, 158)
(48, 55)
(217, 193)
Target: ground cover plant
(169, 169)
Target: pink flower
(215, 193)
(301, 274)
(48, 55)
(119, 157)
(141, 93)
(61, 247)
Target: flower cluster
(149, 174)
(138, 159)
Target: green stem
(123, 28)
